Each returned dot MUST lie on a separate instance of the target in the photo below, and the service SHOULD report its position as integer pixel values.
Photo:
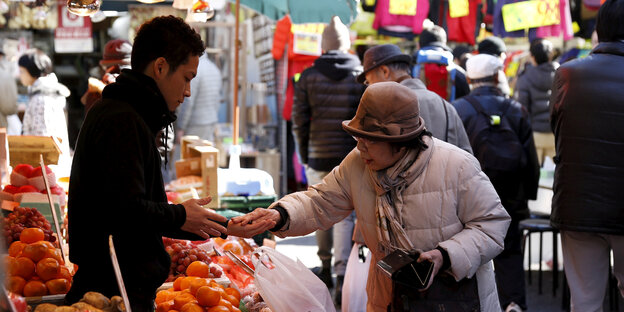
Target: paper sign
(530, 14)
(369, 2)
(307, 44)
(459, 8)
(403, 7)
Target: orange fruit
(15, 250)
(231, 299)
(35, 289)
(208, 296)
(198, 268)
(186, 282)
(64, 273)
(212, 283)
(218, 309)
(192, 307)
(226, 304)
(233, 292)
(35, 251)
(31, 235)
(183, 298)
(54, 253)
(196, 284)
(164, 295)
(58, 286)
(164, 306)
(48, 268)
(177, 282)
(23, 267)
(15, 284)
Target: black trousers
(509, 268)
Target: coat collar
(610, 47)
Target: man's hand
(254, 222)
(434, 256)
(201, 221)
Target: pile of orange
(35, 267)
(195, 293)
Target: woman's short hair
(541, 50)
(36, 62)
(610, 21)
(416, 143)
(165, 36)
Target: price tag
(530, 14)
(403, 7)
(369, 2)
(307, 43)
(459, 8)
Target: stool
(540, 225)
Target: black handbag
(444, 295)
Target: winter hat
(388, 112)
(382, 55)
(116, 52)
(483, 66)
(36, 63)
(336, 36)
(434, 36)
(492, 46)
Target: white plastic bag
(290, 286)
(354, 296)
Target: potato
(96, 299)
(45, 307)
(83, 306)
(117, 304)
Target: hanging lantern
(182, 4)
(150, 1)
(83, 7)
(200, 11)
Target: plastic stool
(541, 225)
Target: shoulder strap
(475, 104)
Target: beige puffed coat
(451, 204)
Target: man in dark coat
(326, 94)
(514, 186)
(587, 117)
(116, 185)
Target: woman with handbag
(410, 192)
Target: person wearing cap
(409, 191)
(45, 112)
(533, 90)
(8, 89)
(387, 63)
(587, 116)
(496, 47)
(515, 187)
(434, 57)
(325, 94)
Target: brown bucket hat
(387, 112)
(382, 55)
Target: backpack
(494, 142)
(437, 71)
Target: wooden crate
(25, 149)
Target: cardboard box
(202, 161)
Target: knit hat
(388, 112)
(336, 36)
(36, 63)
(116, 52)
(434, 36)
(483, 66)
(382, 55)
(492, 46)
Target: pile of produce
(183, 253)
(90, 302)
(35, 267)
(26, 179)
(22, 218)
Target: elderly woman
(45, 115)
(409, 191)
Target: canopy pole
(236, 111)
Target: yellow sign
(307, 44)
(459, 8)
(530, 14)
(369, 2)
(403, 7)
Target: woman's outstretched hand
(253, 223)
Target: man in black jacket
(116, 185)
(326, 94)
(587, 117)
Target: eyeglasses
(364, 141)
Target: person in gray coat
(387, 63)
(533, 91)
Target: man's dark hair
(541, 50)
(397, 66)
(610, 21)
(416, 143)
(430, 35)
(165, 36)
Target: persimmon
(54, 253)
(218, 309)
(183, 298)
(192, 307)
(196, 284)
(226, 304)
(186, 282)
(164, 306)
(233, 292)
(35, 251)
(48, 269)
(32, 235)
(164, 295)
(231, 299)
(199, 269)
(64, 273)
(15, 250)
(208, 296)
(23, 267)
(177, 282)
(15, 284)
(58, 286)
(35, 289)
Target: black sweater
(116, 187)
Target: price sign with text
(307, 43)
(459, 8)
(403, 7)
(530, 14)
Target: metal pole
(235, 111)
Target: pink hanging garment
(564, 27)
(384, 19)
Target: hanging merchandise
(83, 7)
(530, 14)
(401, 22)
(459, 8)
(462, 27)
(368, 5)
(201, 11)
(564, 27)
(498, 27)
(402, 7)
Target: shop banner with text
(74, 33)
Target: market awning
(305, 11)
